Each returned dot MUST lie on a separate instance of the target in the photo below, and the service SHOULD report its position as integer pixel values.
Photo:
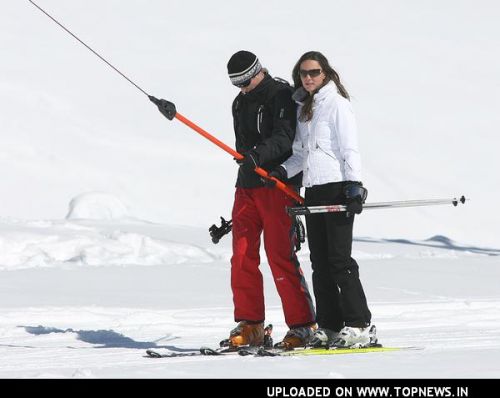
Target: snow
(105, 205)
(94, 295)
(96, 206)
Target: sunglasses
(246, 83)
(310, 72)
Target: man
(264, 117)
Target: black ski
(225, 348)
(203, 351)
(171, 354)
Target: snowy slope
(67, 312)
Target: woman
(325, 149)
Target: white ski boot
(323, 338)
(351, 337)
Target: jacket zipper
(259, 117)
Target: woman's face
(312, 75)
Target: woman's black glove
(355, 195)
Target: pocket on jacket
(324, 146)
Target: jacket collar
(301, 94)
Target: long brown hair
(330, 75)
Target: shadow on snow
(437, 242)
(103, 338)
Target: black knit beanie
(242, 66)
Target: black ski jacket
(264, 123)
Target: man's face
(254, 81)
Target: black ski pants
(340, 299)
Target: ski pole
(171, 112)
(305, 210)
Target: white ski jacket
(326, 147)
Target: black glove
(355, 195)
(279, 173)
(166, 108)
(249, 162)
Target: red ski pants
(258, 210)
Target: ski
(225, 348)
(277, 352)
(170, 354)
(203, 351)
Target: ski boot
(352, 337)
(297, 337)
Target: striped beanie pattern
(242, 66)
